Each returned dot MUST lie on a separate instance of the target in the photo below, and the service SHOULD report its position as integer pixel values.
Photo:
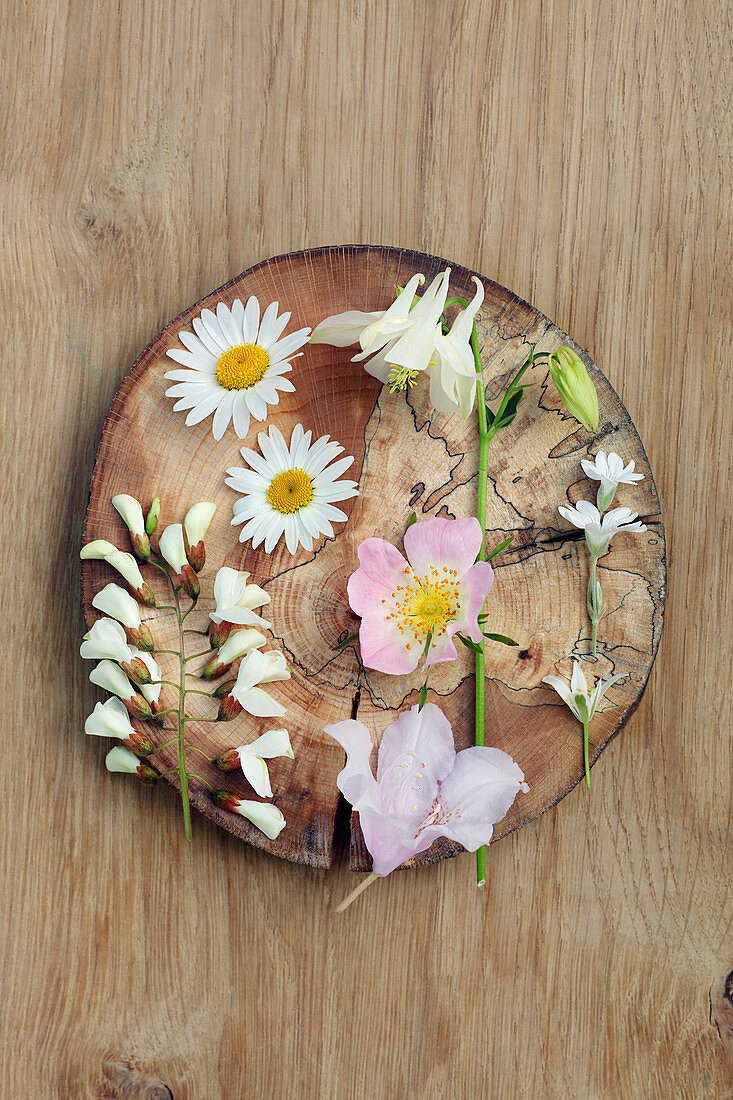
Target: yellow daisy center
(242, 366)
(290, 491)
(425, 605)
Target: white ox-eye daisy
(234, 365)
(611, 472)
(291, 490)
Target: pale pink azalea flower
(424, 789)
(438, 590)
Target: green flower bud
(152, 518)
(573, 384)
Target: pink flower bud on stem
(223, 689)
(145, 594)
(140, 546)
(229, 708)
(218, 633)
(147, 775)
(189, 582)
(214, 669)
(228, 761)
(141, 637)
(138, 707)
(154, 716)
(137, 670)
(226, 800)
(196, 556)
(139, 744)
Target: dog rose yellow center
(242, 366)
(290, 491)
(425, 605)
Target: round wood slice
(407, 458)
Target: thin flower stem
(591, 600)
(190, 631)
(194, 775)
(585, 755)
(159, 748)
(200, 720)
(173, 651)
(181, 727)
(483, 480)
(195, 691)
(486, 434)
(355, 893)
(203, 653)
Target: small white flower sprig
(413, 338)
(124, 646)
(582, 701)
(599, 525)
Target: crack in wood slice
(407, 458)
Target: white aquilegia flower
(236, 599)
(375, 331)
(106, 639)
(611, 472)
(120, 605)
(291, 490)
(234, 365)
(599, 531)
(407, 339)
(266, 817)
(256, 669)
(582, 701)
(251, 759)
(451, 369)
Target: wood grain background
(579, 153)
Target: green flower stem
(486, 434)
(203, 653)
(483, 487)
(585, 755)
(594, 605)
(181, 727)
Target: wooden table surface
(579, 153)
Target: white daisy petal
(227, 325)
(223, 414)
(201, 331)
(251, 320)
(241, 415)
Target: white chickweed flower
(582, 701)
(599, 531)
(290, 491)
(234, 365)
(611, 472)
